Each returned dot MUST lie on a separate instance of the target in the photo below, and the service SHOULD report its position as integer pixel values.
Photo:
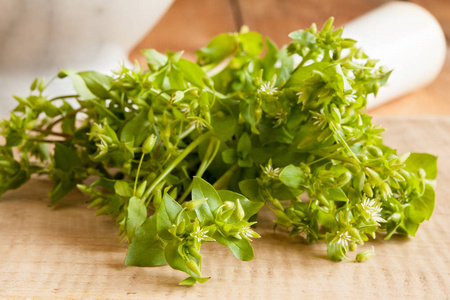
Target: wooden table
(67, 252)
(190, 24)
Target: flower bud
(181, 227)
(141, 189)
(149, 143)
(240, 213)
(395, 217)
(277, 204)
(177, 96)
(343, 179)
(365, 255)
(228, 205)
(385, 190)
(208, 82)
(402, 158)
(368, 190)
(375, 151)
(192, 265)
(191, 205)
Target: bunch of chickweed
(182, 158)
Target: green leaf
(337, 194)
(251, 43)
(167, 214)
(66, 158)
(241, 248)
(190, 281)
(292, 176)
(155, 60)
(63, 185)
(250, 188)
(98, 84)
(424, 161)
(229, 156)
(334, 249)
(203, 190)
(137, 129)
(145, 249)
(218, 48)
(175, 260)
(244, 144)
(191, 72)
(420, 208)
(122, 188)
(305, 72)
(78, 83)
(136, 216)
(223, 127)
(304, 38)
(326, 219)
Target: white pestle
(405, 37)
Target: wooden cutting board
(67, 252)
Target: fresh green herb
(173, 146)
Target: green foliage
(256, 125)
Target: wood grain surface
(190, 24)
(67, 252)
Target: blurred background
(190, 24)
(38, 37)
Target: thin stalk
(64, 97)
(226, 177)
(304, 60)
(49, 132)
(137, 173)
(176, 161)
(73, 112)
(45, 141)
(210, 154)
(335, 130)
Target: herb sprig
(175, 146)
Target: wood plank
(188, 25)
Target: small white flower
(372, 209)
(343, 238)
(247, 233)
(185, 109)
(351, 97)
(320, 118)
(200, 234)
(268, 88)
(197, 122)
(280, 118)
(270, 171)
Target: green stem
(226, 177)
(333, 156)
(304, 60)
(71, 113)
(176, 161)
(64, 97)
(137, 173)
(49, 132)
(335, 130)
(210, 154)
